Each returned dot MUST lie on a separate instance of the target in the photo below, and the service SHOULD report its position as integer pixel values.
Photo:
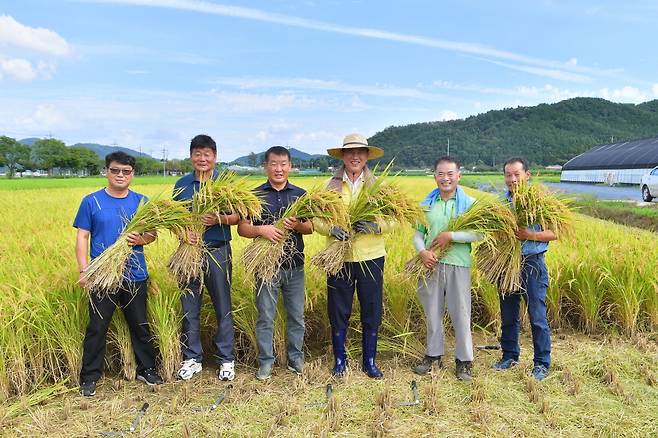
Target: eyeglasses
(116, 171)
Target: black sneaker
(425, 366)
(88, 389)
(464, 370)
(296, 366)
(150, 377)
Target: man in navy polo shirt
(217, 276)
(534, 281)
(101, 218)
(277, 194)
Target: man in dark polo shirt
(217, 276)
(277, 194)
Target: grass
(600, 385)
(621, 212)
(597, 388)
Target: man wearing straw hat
(450, 281)
(100, 220)
(363, 270)
(277, 195)
(534, 279)
(217, 277)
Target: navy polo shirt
(217, 234)
(275, 203)
(105, 217)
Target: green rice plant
(487, 302)
(264, 258)
(487, 216)
(165, 324)
(625, 289)
(226, 194)
(119, 337)
(587, 295)
(106, 273)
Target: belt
(533, 256)
(217, 244)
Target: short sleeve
(82, 219)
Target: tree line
(53, 156)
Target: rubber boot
(340, 357)
(369, 342)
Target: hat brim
(373, 151)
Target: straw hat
(353, 141)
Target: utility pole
(448, 146)
(164, 161)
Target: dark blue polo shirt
(217, 234)
(274, 204)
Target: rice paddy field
(603, 307)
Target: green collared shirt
(438, 216)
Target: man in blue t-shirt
(277, 195)
(534, 282)
(101, 218)
(217, 276)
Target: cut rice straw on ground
(106, 273)
(380, 201)
(487, 216)
(227, 194)
(264, 258)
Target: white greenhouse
(624, 162)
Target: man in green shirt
(450, 281)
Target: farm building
(623, 162)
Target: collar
(360, 178)
(267, 186)
(192, 175)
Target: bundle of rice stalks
(380, 201)
(107, 272)
(535, 204)
(487, 216)
(264, 258)
(499, 258)
(227, 194)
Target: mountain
(100, 149)
(544, 134)
(295, 154)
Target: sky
(151, 74)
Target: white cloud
(447, 115)
(549, 68)
(15, 34)
(624, 94)
(19, 69)
(249, 83)
(654, 89)
(261, 102)
(48, 116)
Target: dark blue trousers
(368, 279)
(534, 278)
(217, 280)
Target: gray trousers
(217, 280)
(291, 284)
(449, 285)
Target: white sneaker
(189, 368)
(226, 371)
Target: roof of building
(632, 154)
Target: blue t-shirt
(105, 217)
(218, 233)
